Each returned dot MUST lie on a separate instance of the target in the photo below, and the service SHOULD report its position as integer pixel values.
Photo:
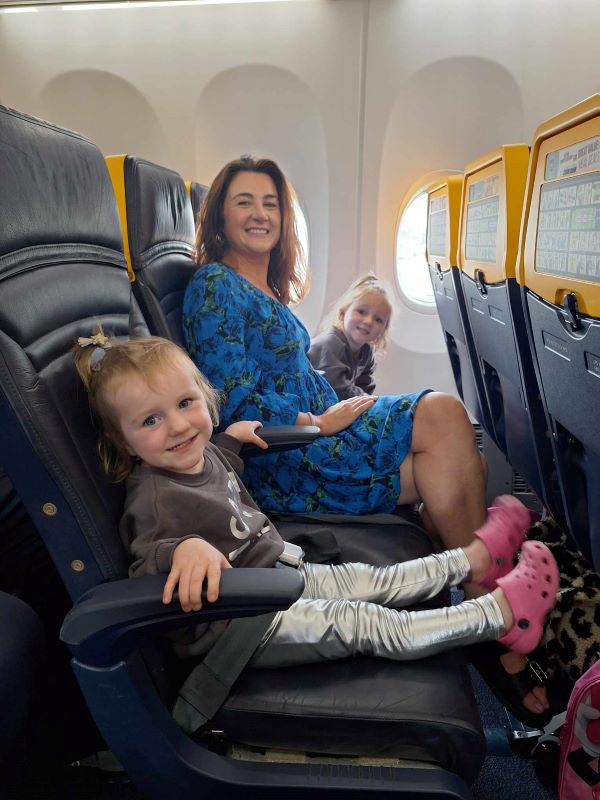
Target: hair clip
(96, 357)
(101, 345)
(99, 339)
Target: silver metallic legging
(356, 608)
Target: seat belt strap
(209, 684)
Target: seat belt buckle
(292, 555)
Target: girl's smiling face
(166, 423)
(365, 320)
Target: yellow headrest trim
(116, 170)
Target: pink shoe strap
(503, 534)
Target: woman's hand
(245, 432)
(343, 414)
(194, 561)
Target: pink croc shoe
(503, 533)
(531, 592)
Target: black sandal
(510, 689)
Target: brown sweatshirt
(163, 508)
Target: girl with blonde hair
(188, 515)
(358, 326)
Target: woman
(373, 452)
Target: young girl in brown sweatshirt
(188, 515)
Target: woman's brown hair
(287, 275)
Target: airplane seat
(157, 224)
(442, 237)
(62, 270)
(492, 202)
(197, 192)
(21, 655)
(64, 730)
(559, 275)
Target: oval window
(302, 231)
(412, 271)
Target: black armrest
(281, 437)
(108, 622)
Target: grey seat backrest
(160, 232)
(62, 271)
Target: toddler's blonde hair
(102, 367)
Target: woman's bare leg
(445, 470)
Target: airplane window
(302, 229)
(412, 271)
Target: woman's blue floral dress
(253, 349)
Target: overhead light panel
(27, 6)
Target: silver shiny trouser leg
(397, 586)
(354, 608)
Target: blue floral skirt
(355, 471)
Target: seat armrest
(281, 437)
(109, 621)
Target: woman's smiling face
(251, 215)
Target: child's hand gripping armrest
(194, 561)
(245, 431)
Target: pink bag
(579, 777)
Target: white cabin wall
(446, 82)
(355, 99)
(193, 87)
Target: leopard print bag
(571, 641)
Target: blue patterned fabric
(254, 349)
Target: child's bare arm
(245, 432)
(194, 561)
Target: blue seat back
(559, 270)
(492, 203)
(63, 270)
(442, 238)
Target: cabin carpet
(503, 776)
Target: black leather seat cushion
(197, 194)
(423, 710)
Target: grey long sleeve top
(350, 375)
